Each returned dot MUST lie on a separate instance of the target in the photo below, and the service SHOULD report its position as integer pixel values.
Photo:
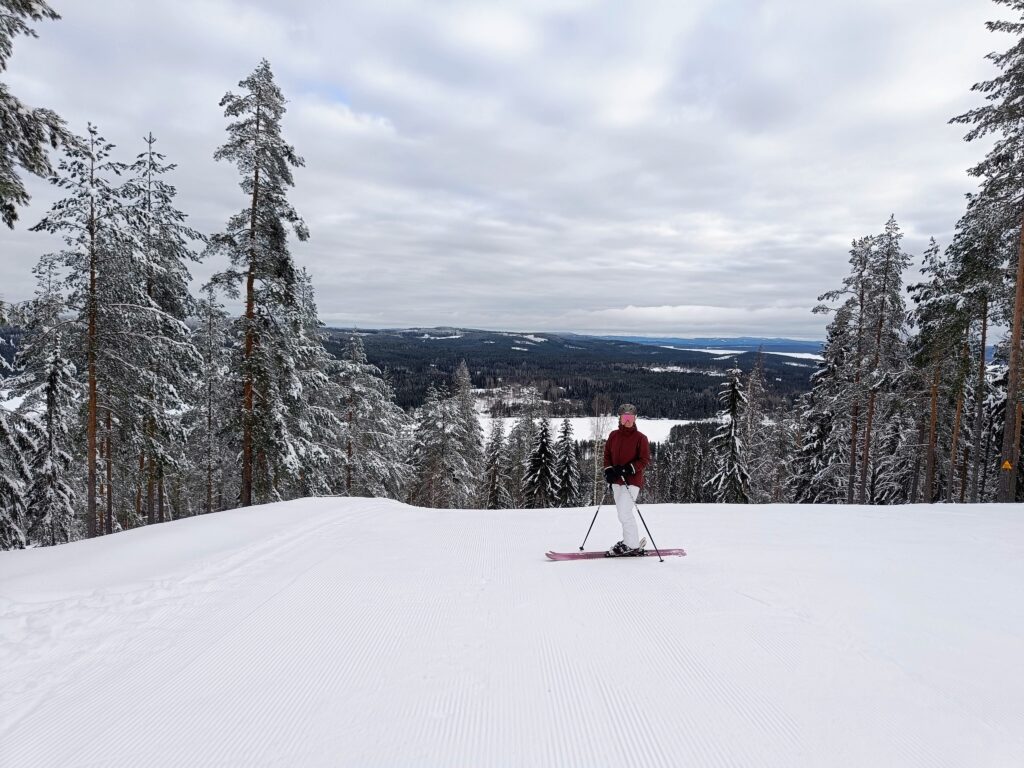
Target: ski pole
(637, 507)
(603, 495)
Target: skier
(626, 453)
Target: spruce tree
(25, 133)
(474, 445)
(310, 419)
(49, 390)
(521, 440)
(373, 436)
(540, 487)
(441, 474)
(495, 494)
(256, 243)
(567, 468)
(16, 446)
(731, 483)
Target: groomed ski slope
(345, 632)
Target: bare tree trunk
(91, 342)
(929, 483)
(953, 445)
(963, 474)
(1011, 424)
(866, 454)
(248, 394)
(851, 479)
(209, 417)
(988, 457)
(160, 493)
(110, 474)
(138, 488)
(915, 485)
(855, 410)
(979, 397)
(1016, 451)
(150, 482)
(348, 465)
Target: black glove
(611, 474)
(627, 470)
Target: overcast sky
(683, 168)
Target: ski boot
(621, 550)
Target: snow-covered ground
(657, 430)
(728, 352)
(342, 632)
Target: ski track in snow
(356, 632)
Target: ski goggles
(628, 418)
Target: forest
(130, 400)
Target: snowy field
(339, 632)
(657, 430)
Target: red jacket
(628, 445)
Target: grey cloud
(656, 167)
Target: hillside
(352, 632)
(570, 370)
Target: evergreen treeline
(133, 402)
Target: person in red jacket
(626, 454)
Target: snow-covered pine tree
(1002, 183)
(855, 291)
(887, 324)
(374, 429)
(540, 487)
(567, 468)
(474, 446)
(495, 486)
(984, 244)
(521, 439)
(310, 421)
(25, 133)
(730, 484)
(49, 391)
(821, 465)
(755, 432)
(780, 449)
(16, 445)
(205, 421)
(165, 357)
(91, 222)
(698, 467)
(256, 243)
(938, 354)
(441, 473)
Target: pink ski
(595, 555)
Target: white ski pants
(625, 499)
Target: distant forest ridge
(573, 373)
(739, 343)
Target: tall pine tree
(1002, 184)
(256, 243)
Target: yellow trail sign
(1007, 465)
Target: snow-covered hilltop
(355, 632)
